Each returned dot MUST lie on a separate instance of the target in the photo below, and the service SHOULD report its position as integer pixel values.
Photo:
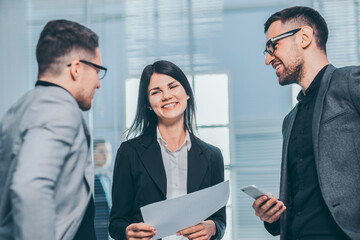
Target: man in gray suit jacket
(46, 171)
(319, 189)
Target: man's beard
(293, 73)
(83, 101)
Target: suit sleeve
(122, 193)
(217, 176)
(354, 88)
(44, 149)
(273, 228)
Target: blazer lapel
(286, 140)
(284, 174)
(319, 104)
(197, 166)
(86, 131)
(89, 168)
(151, 158)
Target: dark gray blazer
(336, 137)
(140, 179)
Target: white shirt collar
(161, 141)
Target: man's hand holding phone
(268, 209)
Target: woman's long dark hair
(145, 119)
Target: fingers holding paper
(201, 231)
(268, 209)
(139, 231)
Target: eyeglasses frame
(273, 41)
(94, 65)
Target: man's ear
(75, 69)
(307, 36)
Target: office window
(212, 100)
(343, 19)
(131, 87)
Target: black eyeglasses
(270, 45)
(101, 71)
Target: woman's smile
(169, 105)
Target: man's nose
(268, 58)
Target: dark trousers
(86, 230)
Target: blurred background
(218, 44)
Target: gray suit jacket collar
(318, 109)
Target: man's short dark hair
(305, 16)
(59, 38)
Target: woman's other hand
(139, 231)
(201, 231)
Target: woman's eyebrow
(172, 83)
(155, 88)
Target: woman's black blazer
(139, 179)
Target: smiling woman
(166, 161)
(157, 79)
(168, 100)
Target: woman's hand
(202, 231)
(139, 231)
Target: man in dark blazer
(46, 170)
(320, 174)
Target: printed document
(172, 215)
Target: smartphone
(254, 192)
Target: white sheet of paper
(172, 215)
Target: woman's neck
(174, 135)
